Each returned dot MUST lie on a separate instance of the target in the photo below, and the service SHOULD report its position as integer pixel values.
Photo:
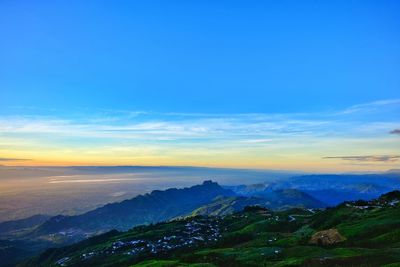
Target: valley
(281, 202)
(345, 235)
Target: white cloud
(148, 131)
(372, 106)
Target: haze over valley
(27, 191)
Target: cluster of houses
(63, 261)
(376, 203)
(68, 235)
(274, 218)
(194, 233)
(198, 231)
(272, 239)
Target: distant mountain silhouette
(144, 209)
(333, 189)
(277, 200)
(227, 205)
(354, 233)
(289, 198)
(30, 235)
(10, 227)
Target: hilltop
(33, 235)
(354, 233)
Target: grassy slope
(256, 239)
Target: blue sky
(180, 63)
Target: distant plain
(26, 191)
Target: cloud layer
(295, 140)
(374, 158)
(13, 159)
(395, 131)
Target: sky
(299, 85)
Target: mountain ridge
(354, 233)
(157, 205)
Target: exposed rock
(327, 237)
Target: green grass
(372, 239)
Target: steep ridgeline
(355, 233)
(227, 205)
(334, 189)
(12, 228)
(330, 189)
(206, 199)
(289, 198)
(144, 209)
(23, 238)
(276, 200)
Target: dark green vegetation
(333, 189)
(276, 200)
(207, 198)
(154, 207)
(363, 233)
(11, 227)
(12, 249)
(227, 205)
(24, 238)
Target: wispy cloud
(256, 141)
(111, 180)
(372, 106)
(13, 159)
(163, 128)
(370, 158)
(151, 137)
(395, 131)
(176, 124)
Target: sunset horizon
(279, 141)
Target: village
(373, 204)
(195, 232)
(200, 231)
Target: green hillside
(227, 205)
(276, 200)
(356, 233)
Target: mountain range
(144, 209)
(37, 233)
(354, 233)
(32, 235)
(330, 189)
